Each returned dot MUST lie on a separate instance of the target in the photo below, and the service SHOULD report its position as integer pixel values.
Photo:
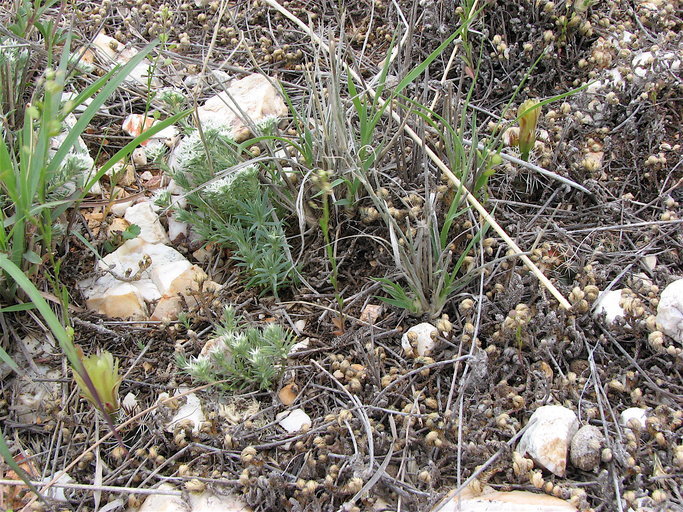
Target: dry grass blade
(439, 163)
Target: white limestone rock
(188, 415)
(143, 215)
(162, 273)
(208, 501)
(115, 299)
(502, 501)
(176, 281)
(254, 95)
(670, 311)
(586, 448)
(134, 252)
(421, 337)
(548, 437)
(164, 502)
(293, 421)
(609, 303)
(175, 500)
(633, 417)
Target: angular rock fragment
(143, 215)
(253, 96)
(670, 311)
(294, 421)
(548, 437)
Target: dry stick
(437, 161)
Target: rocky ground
(366, 415)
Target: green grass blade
(9, 460)
(119, 76)
(128, 148)
(58, 330)
(5, 357)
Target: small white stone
(586, 448)
(548, 437)
(57, 493)
(177, 231)
(608, 303)
(293, 421)
(300, 346)
(130, 402)
(650, 261)
(425, 342)
(670, 311)
(151, 230)
(139, 157)
(633, 416)
(191, 410)
(300, 325)
(119, 209)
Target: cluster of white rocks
(146, 278)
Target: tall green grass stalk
(32, 179)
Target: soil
(372, 405)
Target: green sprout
(103, 371)
(528, 115)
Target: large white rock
(608, 303)
(422, 336)
(670, 311)
(254, 95)
(162, 275)
(548, 437)
(133, 252)
(115, 299)
(502, 501)
(144, 216)
(205, 501)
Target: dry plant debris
(368, 414)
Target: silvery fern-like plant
(228, 205)
(241, 357)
